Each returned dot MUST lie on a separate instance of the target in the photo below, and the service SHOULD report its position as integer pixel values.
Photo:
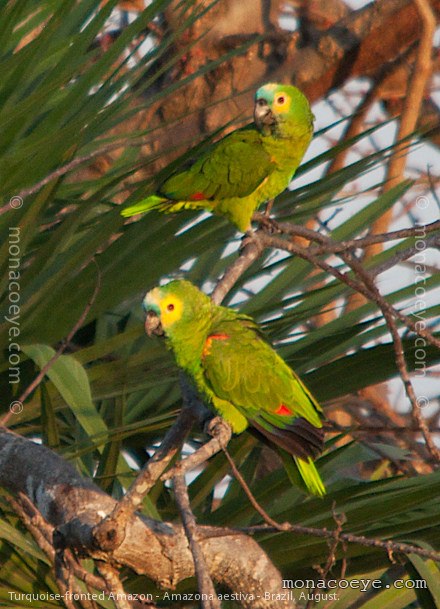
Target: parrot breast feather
(233, 167)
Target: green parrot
(238, 373)
(246, 168)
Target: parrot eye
(170, 307)
(281, 99)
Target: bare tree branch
(74, 505)
(250, 252)
(358, 286)
(273, 525)
(221, 434)
(110, 532)
(206, 587)
(387, 545)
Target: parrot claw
(218, 428)
(269, 225)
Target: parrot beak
(153, 324)
(263, 115)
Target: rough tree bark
(73, 505)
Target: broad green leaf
(71, 380)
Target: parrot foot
(269, 225)
(268, 208)
(219, 429)
(221, 433)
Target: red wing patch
(208, 342)
(283, 411)
(197, 196)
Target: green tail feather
(311, 477)
(303, 473)
(161, 204)
(151, 202)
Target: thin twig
(204, 581)
(221, 434)
(328, 246)
(432, 241)
(42, 531)
(387, 545)
(390, 314)
(37, 380)
(376, 429)
(273, 525)
(371, 399)
(362, 242)
(359, 286)
(280, 527)
(340, 520)
(248, 255)
(332, 247)
(77, 161)
(368, 289)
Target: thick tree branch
(110, 532)
(160, 551)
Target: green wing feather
(245, 371)
(233, 167)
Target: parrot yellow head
(177, 301)
(278, 105)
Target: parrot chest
(192, 357)
(286, 154)
(274, 184)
